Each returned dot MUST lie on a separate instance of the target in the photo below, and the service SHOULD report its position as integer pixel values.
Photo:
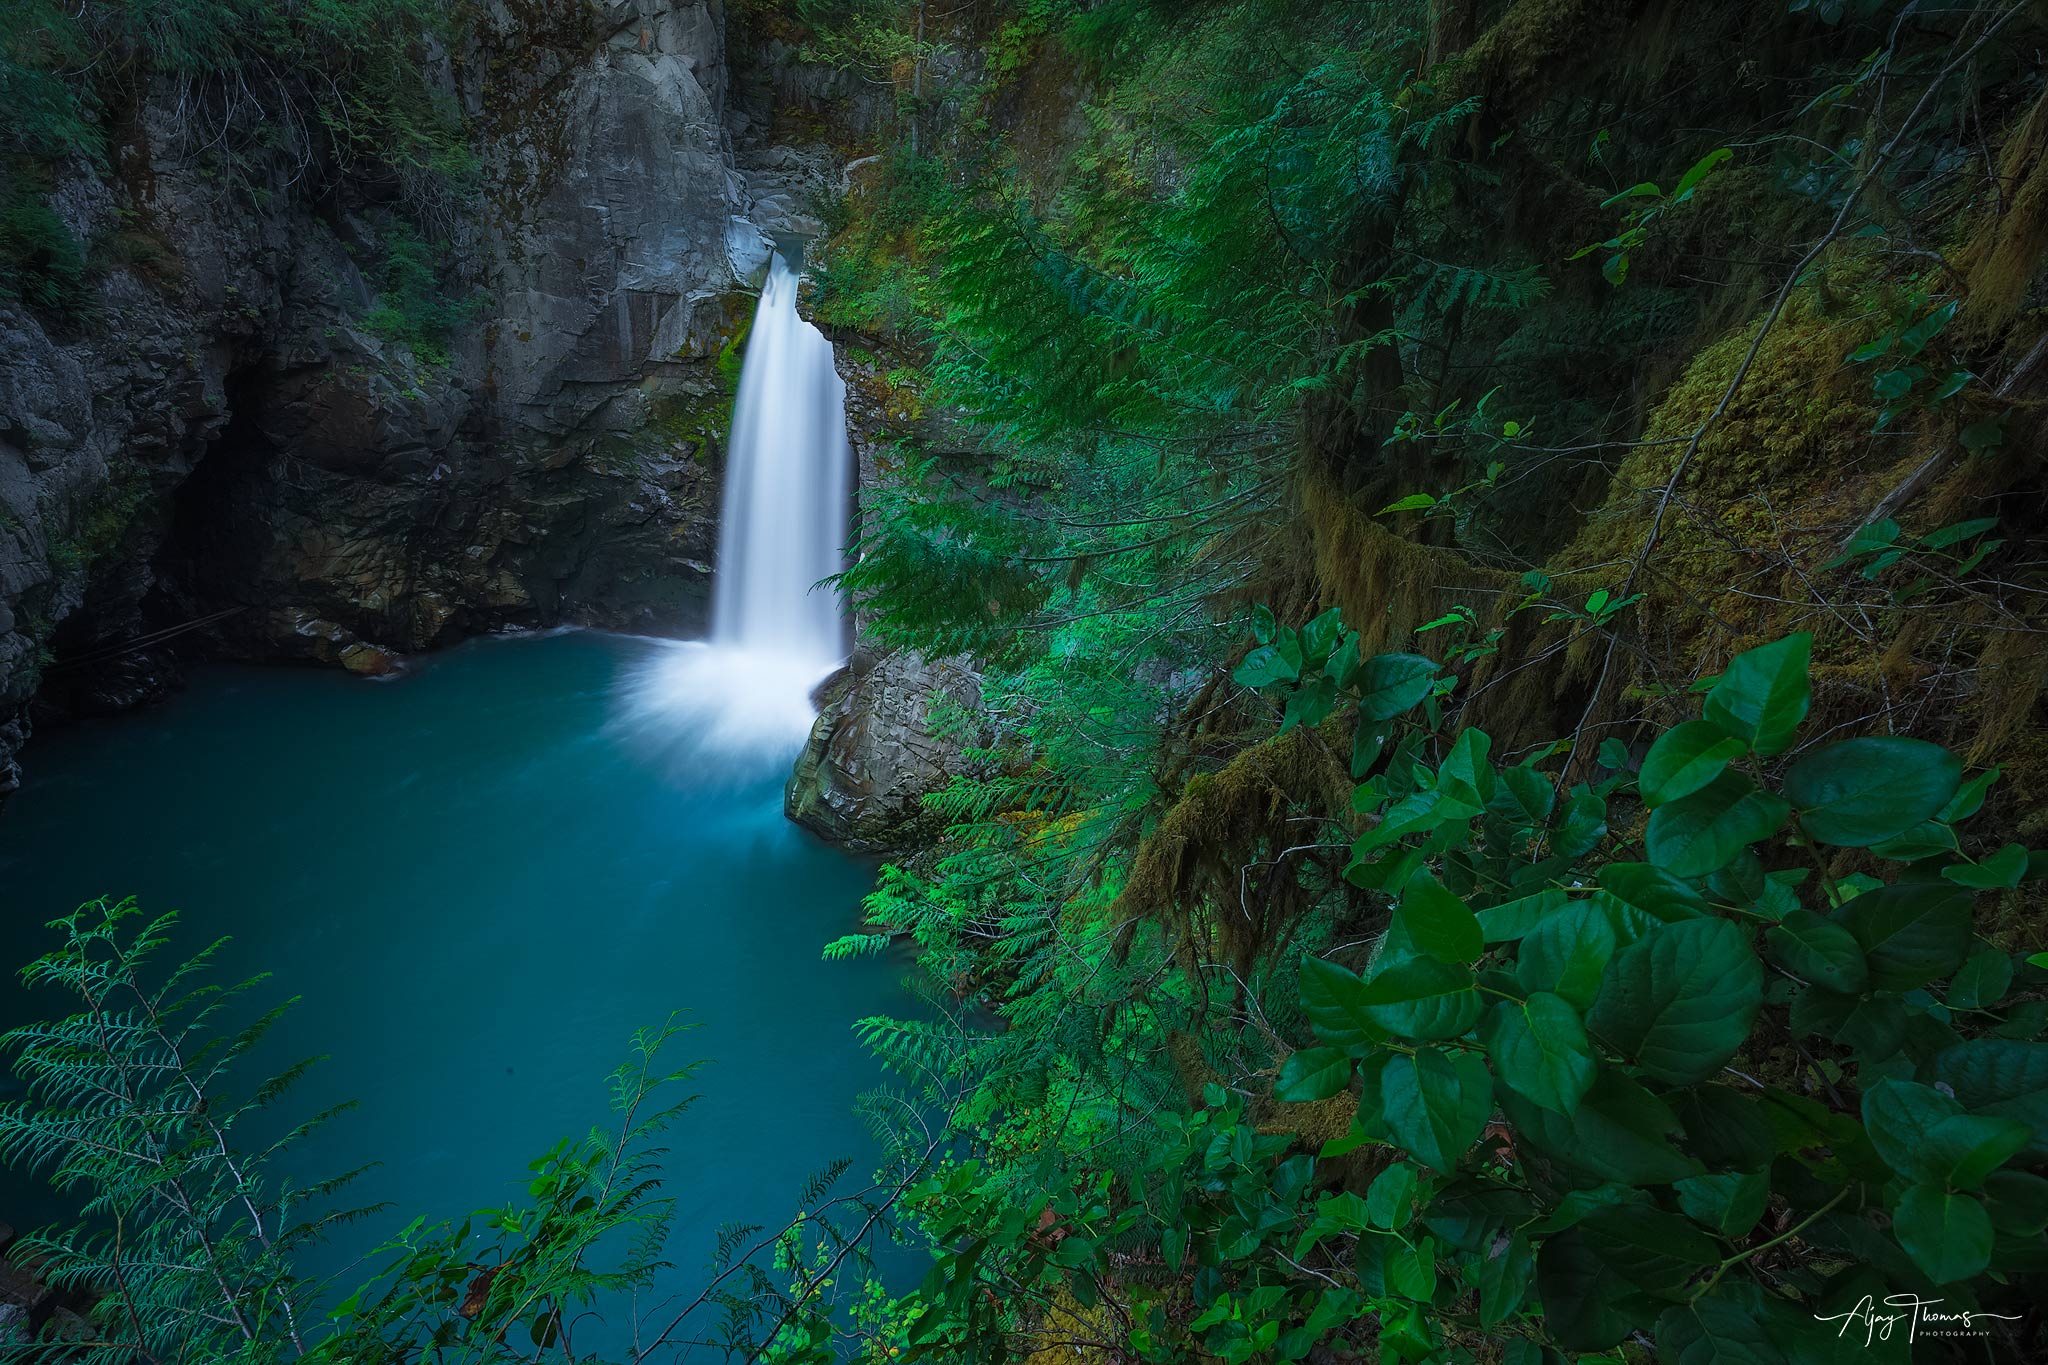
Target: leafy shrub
(136, 1103)
(1693, 1087)
(353, 69)
(1696, 1084)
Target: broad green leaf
(1466, 778)
(1587, 1304)
(1437, 923)
(1928, 839)
(1389, 684)
(1539, 1050)
(1979, 437)
(1925, 1136)
(1524, 799)
(1390, 1199)
(1621, 1132)
(1309, 704)
(1680, 1000)
(1947, 1235)
(1685, 759)
(1874, 1026)
(1861, 792)
(1436, 1105)
(1914, 339)
(1742, 881)
(1724, 1128)
(1313, 1073)
(1445, 1014)
(1969, 798)
(1819, 951)
(1697, 834)
(1416, 979)
(1506, 1267)
(1911, 932)
(1334, 999)
(1657, 1252)
(1779, 896)
(1412, 814)
(1577, 1204)
(1763, 694)
(2002, 869)
(1268, 665)
(1074, 1253)
(1417, 996)
(2002, 1076)
(1878, 535)
(1701, 169)
(1320, 636)
(1583, 827)
(1567, 953)
(2018, 1202)
(1367, 742)
(1739, 1324)
(1652, 889)
(1982, 980)
(1729, 1203)
(1510, 920)
(1831, 1144)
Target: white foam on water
(718, 714)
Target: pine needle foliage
(187, 1237)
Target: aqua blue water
(479, 881)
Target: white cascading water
(742, 700)
(784, 520)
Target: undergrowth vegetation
(1622, 941)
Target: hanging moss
(2004, 255)
(1207, 867)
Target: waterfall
(784, 519)
(742, 700)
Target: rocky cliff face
(225, 446)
